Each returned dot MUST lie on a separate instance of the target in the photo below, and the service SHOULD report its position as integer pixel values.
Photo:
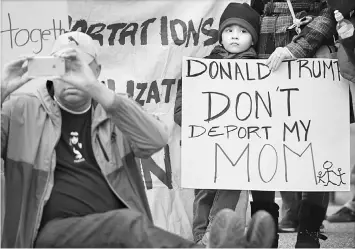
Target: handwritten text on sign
(246, 128)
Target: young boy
(346, 57)
(238, 33)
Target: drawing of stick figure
(327, 166)
(341, 179)
(320, 176)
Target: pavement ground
(340, 235)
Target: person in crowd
(238, 34)
(346, 58)
(296, 29)
(69, 150)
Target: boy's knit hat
(344, 6)
(241, 14)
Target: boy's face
(236, 39)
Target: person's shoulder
(23, 98)
(213, 56)
(215, 53)
(19, 101)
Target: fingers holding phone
(53, 66)
(74, 60)
(15, 74)
(78, 70)
(20, 71)
(16, 68)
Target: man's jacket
(30, 131)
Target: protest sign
(247, 128)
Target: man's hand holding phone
(78, 72)
(83, 75)
(14, 76)
(20, 71)
(68, 66)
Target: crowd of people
(57, 198)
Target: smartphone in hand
(46, 66)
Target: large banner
(141, 46)
(247, 128)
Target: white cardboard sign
(246, 128)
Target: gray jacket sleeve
(146, 132)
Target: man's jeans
(118, 228)
(207, 203)
(290, 205)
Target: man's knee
(130, 219)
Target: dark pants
(291, 202)
(208, 202)
(118, 228)
(290, 205)
(317, 198)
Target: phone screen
(46, 66)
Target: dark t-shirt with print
(79, 185)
